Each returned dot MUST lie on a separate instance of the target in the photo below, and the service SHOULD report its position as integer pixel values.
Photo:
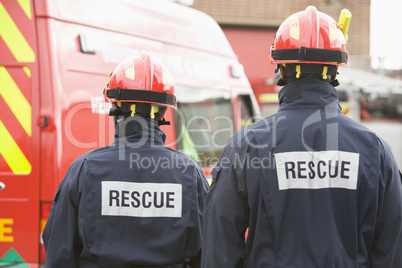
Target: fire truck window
(204, 122)
(246, 111)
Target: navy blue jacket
(315, 189)
(130, 204)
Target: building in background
(250, 26)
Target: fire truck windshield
(204, 122)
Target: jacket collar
(139, 128)
(307, 93)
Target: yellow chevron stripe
(26, 6)
(15, 100)
(27, 71)
(13, 155)
(14, 39)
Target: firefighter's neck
(133, 124)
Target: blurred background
(370, 88)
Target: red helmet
(143, 79)
(309, 36)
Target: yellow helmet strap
(323, 72)
(128, 109)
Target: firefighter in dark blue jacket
(135, 203)
(311, 187)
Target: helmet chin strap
(163, 122)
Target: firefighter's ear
(284, 73)
(333, 77)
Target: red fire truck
(55, 60)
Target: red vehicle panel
(55, 60)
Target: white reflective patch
(317, 170)
(120, 198)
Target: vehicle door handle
(2, 186)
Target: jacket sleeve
(387, 245)
(202, 189)
(60, 236)
(226, 214)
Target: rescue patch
(317, 170)
(132, 199)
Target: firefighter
(135, 203)
(310, 186)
